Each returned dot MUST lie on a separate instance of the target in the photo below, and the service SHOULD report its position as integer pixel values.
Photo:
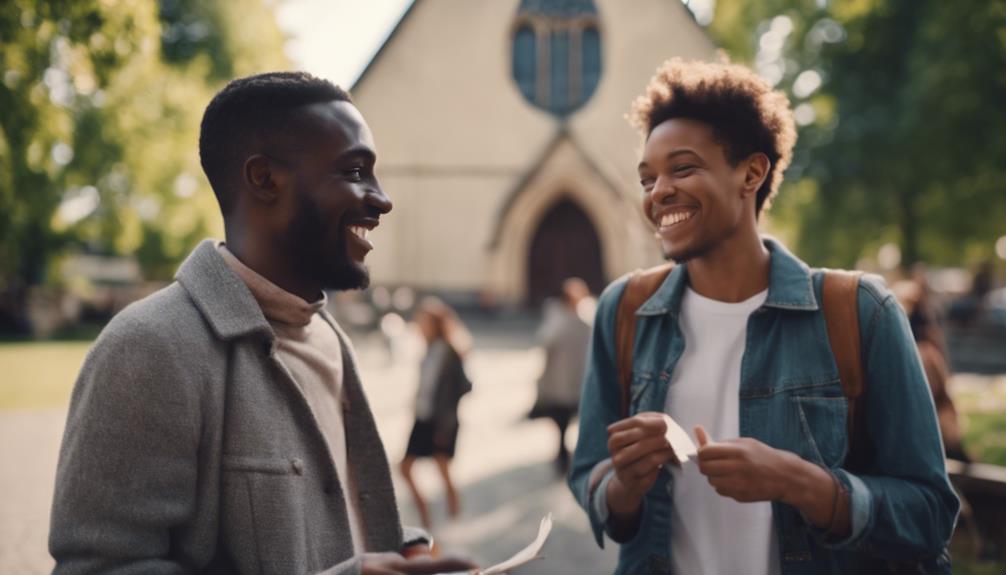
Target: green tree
(49, 66)
(904, 127)
(98, 139)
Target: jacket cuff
(415, 536)
(860, 512)
(597, 505)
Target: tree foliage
(904, 121)
(101, 105)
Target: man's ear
(260, 177)
(757, 168)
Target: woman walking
(442, 383)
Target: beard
(318, 256)
(684, 255)
(699, 246)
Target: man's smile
(676, 217)
(670, 221)
(359, 232)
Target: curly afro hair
(746, 115)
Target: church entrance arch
(564, 245)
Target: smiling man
(734, 344)
(219, 425)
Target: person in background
(565, 337)
(442, 383)
(914, 297)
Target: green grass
(39, 374)
(981, 406)
(985, 436)
(964, 567)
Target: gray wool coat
(190, 449)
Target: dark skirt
(424, 441)
(560, 414)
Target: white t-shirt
(712, 534)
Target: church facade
(502, 140)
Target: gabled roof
(387, 41)
(561, 135)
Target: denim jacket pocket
(823, 427)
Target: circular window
(557, 53)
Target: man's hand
(744, 469)
(421, 549)
(395, 564)
(747, 470)
(638, 450)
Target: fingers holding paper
(638, 449)
(743, 469)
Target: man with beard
(733, 340)
(219, 425)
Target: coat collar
(220, 294)
(790, 285)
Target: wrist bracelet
(839, 492)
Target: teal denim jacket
(903, 507)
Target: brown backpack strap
(841, 314)
(641, 285)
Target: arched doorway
(565, 245)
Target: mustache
(366, 212)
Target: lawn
(981, 403)
(39, 374)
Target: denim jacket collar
(789, 285)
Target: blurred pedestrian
(565, 336)
(442, 383)
(914, 296)
(969, 309)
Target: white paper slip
(525, 555)
(679, 440)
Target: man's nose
(663, 189)
(378, 199)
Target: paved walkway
(29, 444)
(503, 467)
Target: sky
(335, 39)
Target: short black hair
(247, 108)
(746, 115)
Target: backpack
(841, 313)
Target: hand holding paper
(525, 555)
(522, 557)
(747, 470)
(679, 441)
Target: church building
(502, 140)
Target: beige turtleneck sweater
(309, 348)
